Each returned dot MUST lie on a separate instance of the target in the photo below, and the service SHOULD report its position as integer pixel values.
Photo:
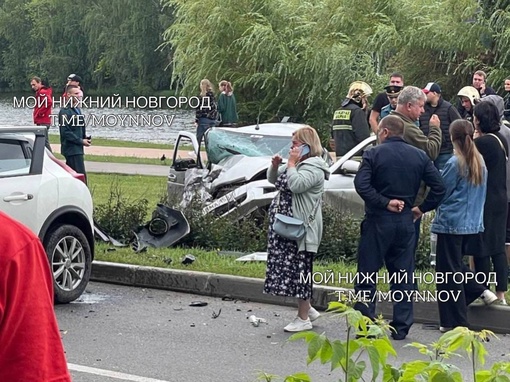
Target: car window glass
(13, 159)
(221, 144)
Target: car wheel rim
(68, 263)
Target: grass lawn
(152, 188)
(212, 261)
(55, 138)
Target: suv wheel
(70, 261)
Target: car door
(184, 158)
(21, 180)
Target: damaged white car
(234, 180)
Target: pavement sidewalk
(130, 168)
(124, 151)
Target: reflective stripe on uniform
(342, 127)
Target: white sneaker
(501, 302)
(488, 297)
(444, 329)
(313, 314)
(298, 325)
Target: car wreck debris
(188, 259)
(166, 227)
(255, 321)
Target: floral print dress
(285, 264)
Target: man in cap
(381, 100)
(392, 92)
(447, 113)
(73, 137)
(350, 125)
(73, 79)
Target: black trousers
(77, 163)
(450, 251)
(387, 240)
(500, 264)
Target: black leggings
(500, 263)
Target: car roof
(284, 129)
(22, 129)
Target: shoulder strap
(501, 144)
(311, 217)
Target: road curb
(495, 318)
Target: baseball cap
(432, 87)
(74, 77)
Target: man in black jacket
(72, 131)
(388, 181)
(447, 113)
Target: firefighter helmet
(359, 90)
(471, 93)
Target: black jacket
(350, 127)
(394, 170)
(447, 113)
(72, 131)
(207, 108)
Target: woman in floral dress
(300, 185)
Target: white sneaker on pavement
(298, 325)
(488, 297)
(313, 314)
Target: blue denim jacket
(461, 211)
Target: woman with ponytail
(458, 223)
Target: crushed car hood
(239, 169)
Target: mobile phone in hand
(305, 149)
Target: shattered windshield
(221, 144)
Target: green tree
(298, 58)
(123, 39)
(20, 51)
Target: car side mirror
(350, 167)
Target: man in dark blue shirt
(388, 181)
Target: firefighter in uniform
(350, 125)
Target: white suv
(53, 201)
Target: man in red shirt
(31, 348)
(43, 105)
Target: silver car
(234, 181)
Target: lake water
(140, 125)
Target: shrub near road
(120, 202)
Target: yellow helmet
(358, 90)
(471, 93)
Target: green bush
(120, 215)
(340, 236)
(341, 230)
(234, 233)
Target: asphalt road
(118, 333)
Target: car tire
(71, 274)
